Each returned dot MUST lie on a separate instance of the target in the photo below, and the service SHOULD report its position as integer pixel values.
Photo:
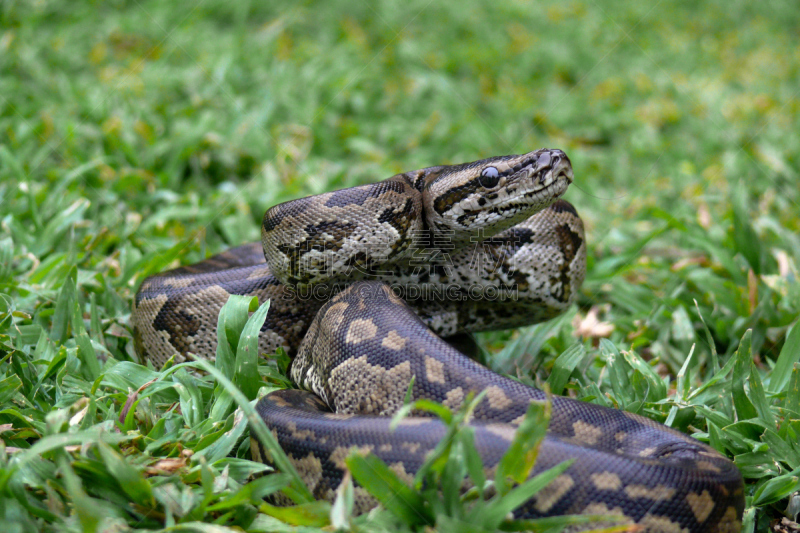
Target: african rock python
(483, 245)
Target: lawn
(136, 136)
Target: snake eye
(490, 177)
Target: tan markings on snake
(517, 421)
(149, 336)
(553, 492)
(709, 467)
(501, 430)
(661, 524)
(454, 398)
(586, 433)
(178, 282)
(656, 494)
(255, 451)
(400, 469)
(410, 422)
(730, 522)
(606, 481)
(336, 313)
(338, 416)
(601, 509)
(393, 341)
(710, 453)
(280, 402)
(647, 452)
(310, 470)
(434, 370)
(300, 434)
(258, 273)
(702, 504)
(341, 453)
(351, 377)
(360, 331)
(411, 447)
(497, 398)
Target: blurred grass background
(138, 135)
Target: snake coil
(365, 282)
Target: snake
(375, 291)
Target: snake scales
(469, 247)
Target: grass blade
(261, 432)
(246, 375)
(790, 354)
(373, 474)
(741, 370)
(563, 367)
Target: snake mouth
(553, 183)
(550, 167)
(517, 207)
(543, 179)
(538, 198)
(504, 191)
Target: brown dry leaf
(12, 449)
(75, 420)
(752, 290)
(784, 263)
(785, 526)
(591, 327)
(703, 216)
(80, 408)
(169, 465)
(686, 261)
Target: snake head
(485, 197)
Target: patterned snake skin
(365, 281)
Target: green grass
(138, 135)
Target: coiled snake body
(470, 247)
